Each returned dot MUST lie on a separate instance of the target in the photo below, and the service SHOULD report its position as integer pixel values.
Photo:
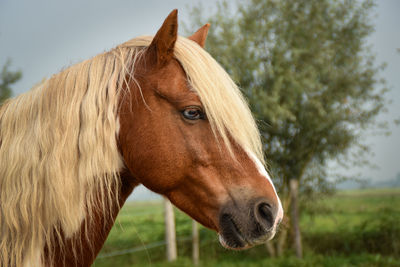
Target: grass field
(351, 228)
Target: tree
(7, 78)
(311, 82)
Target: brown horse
(153, 111)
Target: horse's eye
(192, 113)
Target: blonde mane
(58, 144)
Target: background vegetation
(7, 78)
(351, 228)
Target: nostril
(266, 217)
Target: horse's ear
(201, 35)
(161, 48)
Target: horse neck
(79, 252)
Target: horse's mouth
(231, 245)
(232, 237)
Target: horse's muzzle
(245, 224)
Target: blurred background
(322, 79)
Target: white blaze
(263, 172)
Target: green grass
(351, 228)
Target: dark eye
(193, 113)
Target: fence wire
(140, 248)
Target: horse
(157, 111)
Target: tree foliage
(7, 78)
(309, 75)
(307, 72)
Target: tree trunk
(170, 235)
(294, 213)
(195, 243)
(270, 248)
(281, 242)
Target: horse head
(186, 133)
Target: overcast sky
(44, 36)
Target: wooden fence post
(195, 243)
(170, 235)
